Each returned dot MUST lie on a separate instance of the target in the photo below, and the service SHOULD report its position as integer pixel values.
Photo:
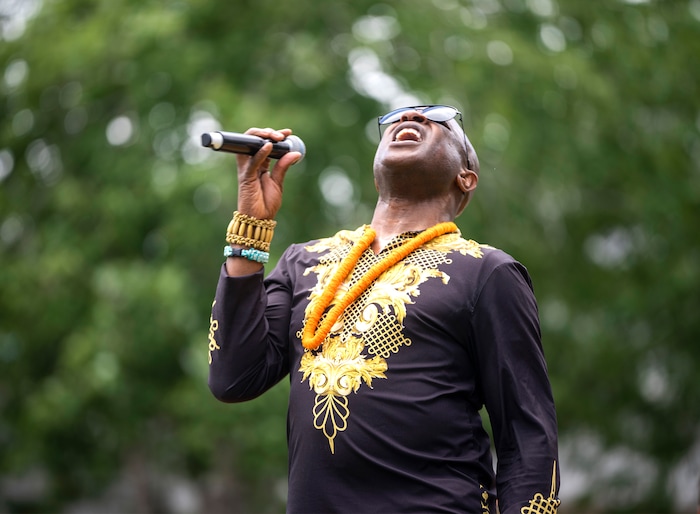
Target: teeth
(408, 134)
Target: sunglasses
(437, 113)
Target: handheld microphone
(249, 145)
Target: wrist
(248, 231)
(251, 254)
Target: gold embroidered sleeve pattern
(541, 505)
(213, 327)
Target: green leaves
(112, 217)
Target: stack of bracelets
(249, 231)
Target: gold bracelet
(249, 231)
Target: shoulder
(340, 239)
(483, 264)
(323, 248)
(469, 250)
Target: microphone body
(246, 144)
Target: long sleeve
(248, 347)
(516, 391)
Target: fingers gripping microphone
(249, 145)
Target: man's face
(415, 143)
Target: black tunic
(385, 416)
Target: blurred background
(586, 118)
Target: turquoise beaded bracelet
(248, 253)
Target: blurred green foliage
(586, 120)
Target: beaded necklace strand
(315, 331)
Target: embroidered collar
(315, 331)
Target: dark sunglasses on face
(437, 113)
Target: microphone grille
(296, 145)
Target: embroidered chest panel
(371, 329)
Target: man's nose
(413, 116)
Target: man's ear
(467, 180)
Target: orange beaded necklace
(315, 331)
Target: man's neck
(393, 218)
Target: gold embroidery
(324, 311)
(541, 505)
(333, 375)
(373, 322)
(484, 500)
(463, 246)
(384, 339)
(213, 327)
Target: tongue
(407, 135)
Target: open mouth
(408, 134)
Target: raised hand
(259, 187)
